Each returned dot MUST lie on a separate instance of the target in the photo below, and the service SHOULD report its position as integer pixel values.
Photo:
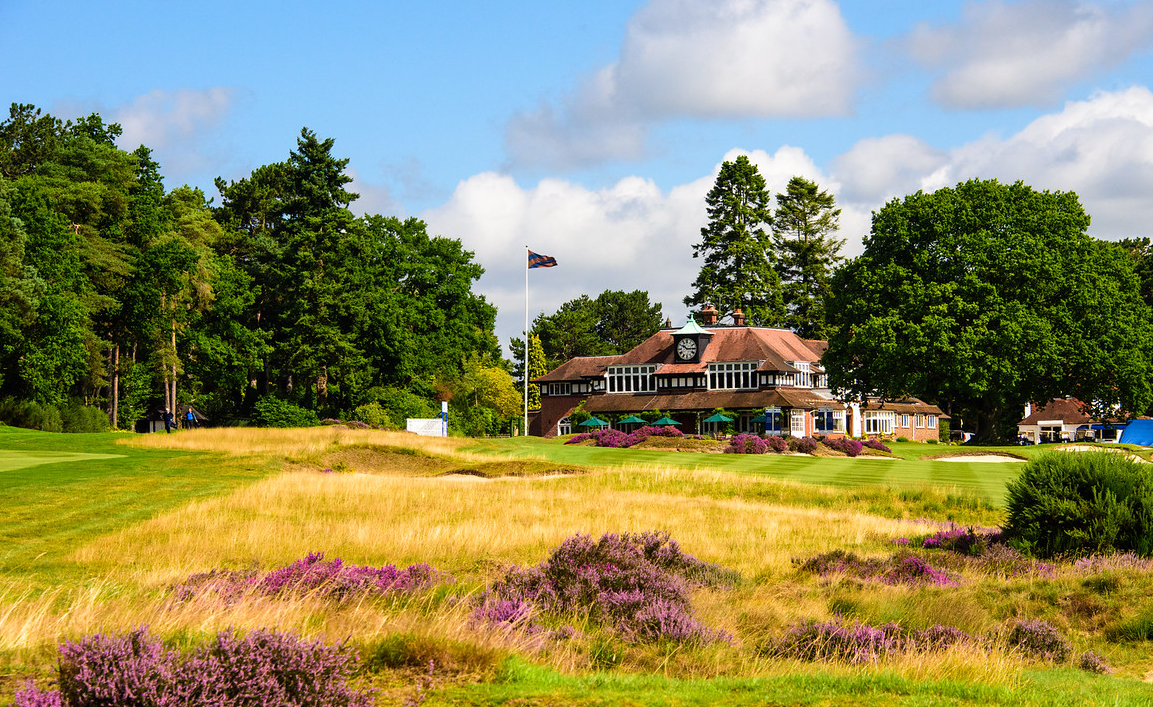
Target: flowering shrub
(1118, 561)
(874, 443)
(965, 541)
(856, 643)
(1093, 663)
(1037, 639)
(747, 444)
(804, 445)
(620, 440)
(777, 444)
(859, 643)
(980, 549)
(333, 579)
(31, 696)
(610, 438)
(914, 570)
(1000, 559)
(260, 668)
(637, 583)
(896, 569)
(850, 447)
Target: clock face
(686, 349)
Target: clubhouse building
(767, 380)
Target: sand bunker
(1091, 448)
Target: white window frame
(804, 377)
(797, 423)
(920, 421)
(564, 426)
(631, 379)
(878, 422)
(734, 375)
(905, 420)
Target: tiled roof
(707, 400)
(773, 346)
(1068, 410)
(905, 405)
(577, 369)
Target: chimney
(668, 323)
(709, 315)
(1028, 410)
(738, 317)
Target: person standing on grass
(168, 420)
(189, 419)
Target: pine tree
(807, 254)
(738, 269)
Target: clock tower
(689, 342)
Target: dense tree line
(986, 296)
(119, 295)
(978, 298)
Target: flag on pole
(536, 260)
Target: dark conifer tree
(807, 254)
(738, 271)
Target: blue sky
(591, 130)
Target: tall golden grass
(465, 525)
(292, 442)
(473, 528)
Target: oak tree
(986, 296)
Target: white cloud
(764, 58)
(1101, 148)
(1027, 53)
(374, 199)
(877, 169)
(159, 119)
(628, 236)
(172, 124)
(701, 59)
(632, 235)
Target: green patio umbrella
(593, 422)
(762, 418)
(665, 421)
(718, 418)
(632, 420)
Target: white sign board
(431, 427)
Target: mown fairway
(905, 471)
(59, 491)
(94, 543)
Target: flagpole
(526, 251)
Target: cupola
(689, 342)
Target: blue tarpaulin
(1138, 432)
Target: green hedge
(1073, 504)
(271, 411)
(73, 417)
